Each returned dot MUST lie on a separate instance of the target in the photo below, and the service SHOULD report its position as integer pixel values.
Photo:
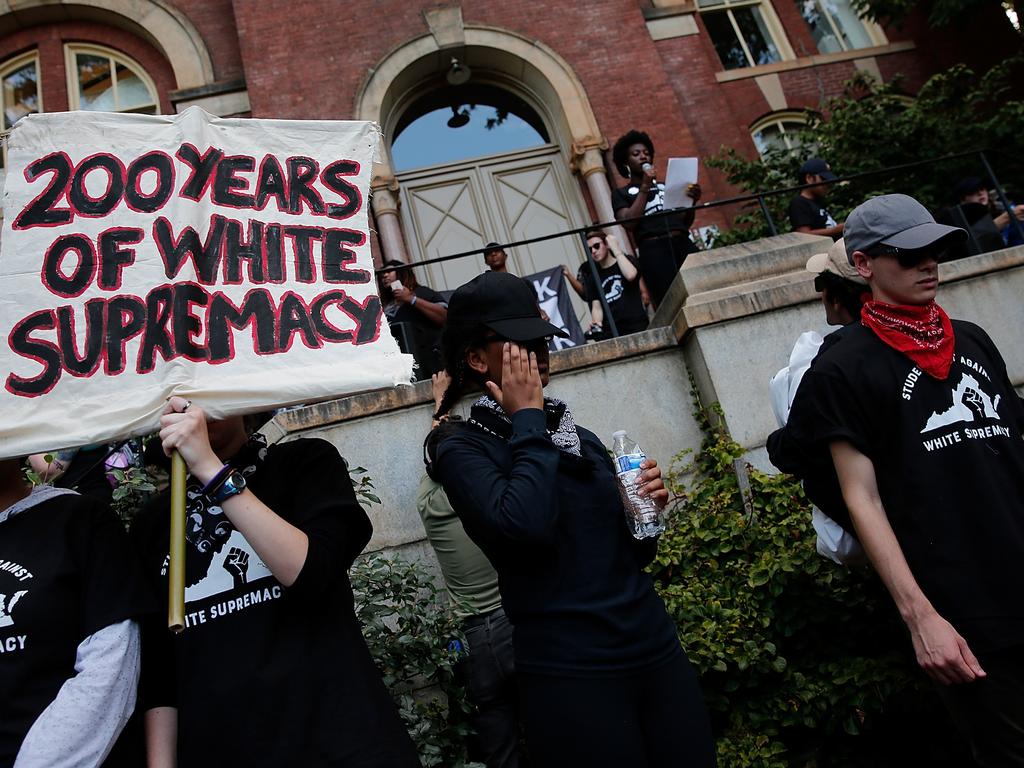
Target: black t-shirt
(415, 333)
(570, 573)
(66, 572)
(949, 460)
(622, 296)
(809, 213)
(623, 197)
(265, 675)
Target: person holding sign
(69, 638)
(602, 678)
(271, 668)
(663, 242)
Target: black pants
(654, 718)
(660, 260)
(990, 711)
(489, 672)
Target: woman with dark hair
(415, 314)
(602, 678)
(271, 668)
(663, 242)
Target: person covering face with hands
(602, 678)
(270, 534)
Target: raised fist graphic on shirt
(237, 564)
(7, 607)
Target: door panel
(514, 196)
(445, 215)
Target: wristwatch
(232, 485)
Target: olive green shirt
(469, 576)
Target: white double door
(459, 207)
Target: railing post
(767, 216)
(1014, 222)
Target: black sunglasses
(908, 259)
(595, 246)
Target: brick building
(497, 115)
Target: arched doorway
(476, 163)
(509, 182)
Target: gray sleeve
(79, 727)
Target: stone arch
(161, 24)
(532, 65)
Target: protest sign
(225, 260)
(553, 297)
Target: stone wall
(729, 321)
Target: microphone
(646, 167)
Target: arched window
(463, 122)
(779, 131)
(21, 93)
(102, 80)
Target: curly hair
(620, 152)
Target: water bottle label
(629, 462)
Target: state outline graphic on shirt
(970, 403)
(234, 565)
(7, 607)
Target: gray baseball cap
(897, 221)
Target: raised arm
(626, 265)
(940, 649)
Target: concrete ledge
(399, 398)
(816, 60)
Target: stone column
(588, 161)
(385, 210)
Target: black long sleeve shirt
(570, 573)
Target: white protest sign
(682, 172)
(223, 260)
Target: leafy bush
(803, 662)
(871, 126)
(410, 630)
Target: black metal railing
(758, 198)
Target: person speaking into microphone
(662, 242)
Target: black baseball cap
(966, 186)
(502, 302)
(817, 167)
(492, 246)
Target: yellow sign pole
(176, 566)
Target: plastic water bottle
(642, 513)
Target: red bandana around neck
(922, 333)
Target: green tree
(872, 126)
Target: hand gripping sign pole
(176, 566)
(143, 255)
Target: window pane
(780, 136)
(21, 94)
(724, 37)
(95, 86)
(852, 33)
(768, 138)
(132, 92)
(486, 121)
(756, 35)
